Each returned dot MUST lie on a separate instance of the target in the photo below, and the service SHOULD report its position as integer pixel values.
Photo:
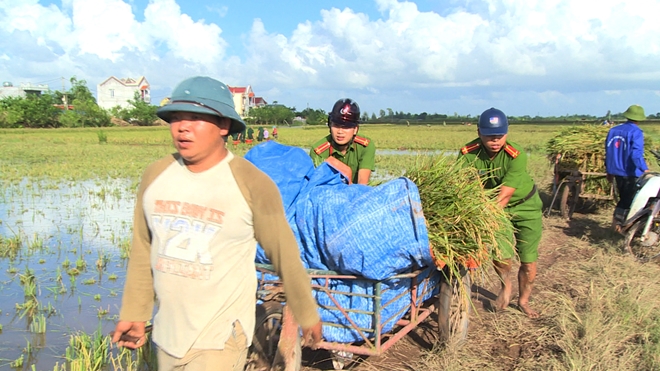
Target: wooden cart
(277, 345)
(569, 188)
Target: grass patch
(600, 311)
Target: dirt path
(507, 339)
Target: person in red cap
(351, 154)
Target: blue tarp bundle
(374, 232)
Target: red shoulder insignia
(361, 140)
(511, 151)
(322, 148)
(470, 148)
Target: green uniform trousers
(526, 226)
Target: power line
(47, 81)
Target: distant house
(243, 99)
(118, 92)
(259, 102)
(23, 90)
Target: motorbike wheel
(645, 250)
(454, 307)
(263, 353)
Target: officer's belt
(522, 200)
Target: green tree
(140, 112)
(85, 113)
(33, 111)
(314, 116)
(79, 91)
(275, 114)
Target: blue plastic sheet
(374, 232)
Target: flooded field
(63, 253)
(64, 238)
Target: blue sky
(533, 57)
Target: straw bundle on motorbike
(462, 217)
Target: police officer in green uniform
(504, 164)
(353, 155)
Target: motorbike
(641, 227)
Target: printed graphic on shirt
(182, 234)
(618, 141)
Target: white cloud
(480, 50)
(192, 41)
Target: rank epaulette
(511, 151)
(470, 148)
(361, 140)
(322, 148)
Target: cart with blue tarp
(360, 316)
(367, 252)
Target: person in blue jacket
(624, 160)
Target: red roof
(237, 89)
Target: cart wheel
(263, 354)
(642, 250)
(454, 308)
(340, 359)
(568, 200)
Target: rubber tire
(630, 236)
(629, 239)
(564, 206)
(263, 351)
(454, 308)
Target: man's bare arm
(505, 195)
(363, 176)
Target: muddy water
(56, 223)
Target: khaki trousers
(231, 358)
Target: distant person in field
(250, 135)
(274, 132)
(199, 215)
(503, 165)
(260, 134)
(351, 154)
(624, 160)
(266, 138)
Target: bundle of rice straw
(583, 148)
(463, 218)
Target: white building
(118, 92)
(9, 90)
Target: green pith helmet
(202, 94)
(635, 113)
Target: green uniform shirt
(508, 167)
(361, 154)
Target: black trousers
(626, 187)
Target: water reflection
(69, 237)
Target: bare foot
(525, 308)
(503, 298)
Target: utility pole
(64, 100)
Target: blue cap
(493, 122)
